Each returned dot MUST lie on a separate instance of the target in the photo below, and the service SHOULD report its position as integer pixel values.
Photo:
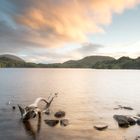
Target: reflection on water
(30, 130)
(88, 97)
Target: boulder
(138, 121)
(13, 107)
(60, 114)
(122, 120)
(100, 127)
(64, 122)
(51, 123)
(137, 138)
(131, 121)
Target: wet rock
(116, 108)
(128, 108)
(13, 107)
(51, 123)
(131, 121)
(100, 127)
(60, 114)
(137, 138)
(64, 122)
(138, 121)
(122, 120)
(123, 107)
(47, 112)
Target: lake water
(88, 96)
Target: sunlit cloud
(65, 21)
(35, 29)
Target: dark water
(88, 97)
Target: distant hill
(95, 62)
(121, 63)
(12, 57)
(11, 61)
(86, 62)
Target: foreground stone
(137, 138)
(64, 122)
(13, 107)
(124, 121)
(138, 121)
(51, 123)
(128, 108)
(100, 127)
(47, 112)
(124, 107)
(60, 114)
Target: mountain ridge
(94, 62)
(10, 56)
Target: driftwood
(32, 110)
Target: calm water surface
(88, 97)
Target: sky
(49, 31)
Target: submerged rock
(51, 123)
(64, 122)
(60, 114)
(101, 127)
(13, 107)
(47, 112)
(124, 121)
(128, 108)
(131, 121)
(137, 138)
(123, 107)
(138, 121)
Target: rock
(131, 121)
(59, 114)
(47, 112)
(137, 138)
(13, 107)
(52, 123)
(122, 120)
(64, 122)
(116, 108)
(128, 108)
(100, 127)
(138, 121)
(123, 107)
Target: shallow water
(88, 96)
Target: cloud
(34, 28)
(56, 22)
(51, 55)
(73, 20)
(14, 40)
(89, 48)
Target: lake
(87, 96)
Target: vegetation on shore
(121, 63)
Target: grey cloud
(52, 56)
(89, 48)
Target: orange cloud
(55, 21)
